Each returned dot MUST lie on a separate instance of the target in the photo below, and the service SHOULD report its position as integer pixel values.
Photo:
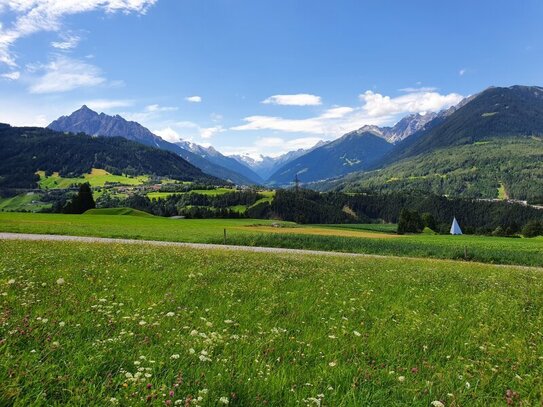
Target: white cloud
(186, 130)
(13, 76)
(300, 99)
(194, 99)
(208, 132)
(376, 104)
(168, 134)
(68, 42)
(107, 104)
(419, 89)
(64, 74)
(376, 109)
(462, 71)
(157, 108)
(32, 16)
(316, 125)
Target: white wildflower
(224, 400)
(60, 281)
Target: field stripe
(254, 249)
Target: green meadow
(370, 239)
(97, 178)
(129, 325)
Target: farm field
(96, 324)
(97, 178)
(28, 202)
(257, 232)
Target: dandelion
(224, 400)
(60, 281)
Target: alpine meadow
(271, 203)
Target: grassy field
(257, 232)
(97, 178)
(27, 202)
(94, 324)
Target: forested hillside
(26, 150)
(494, 168)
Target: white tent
(455, 228)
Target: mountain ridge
(87, 121)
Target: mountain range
(85, 120)
(488, 145)
(26, 150)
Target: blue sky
(259, 76)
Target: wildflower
(170, 314)
(11, 281)
(113, 400)
(194, 332)
(228, 321)
(192, 351)
(332, 364)
(204, 358)
(356, 333)
(61, 323)
(56, 344)
(60, 281)
(174, 356)
(437, 403)
(401, 379)
(142, 322)
(468, 385)
(224, 400)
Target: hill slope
(85, 120)
(26, 150)
(490, 147)
(495, 112)
(215, 157)
(354, 151)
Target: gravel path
(208, 246)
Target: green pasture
(499, 250)
(133, 325)
(97, 178)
